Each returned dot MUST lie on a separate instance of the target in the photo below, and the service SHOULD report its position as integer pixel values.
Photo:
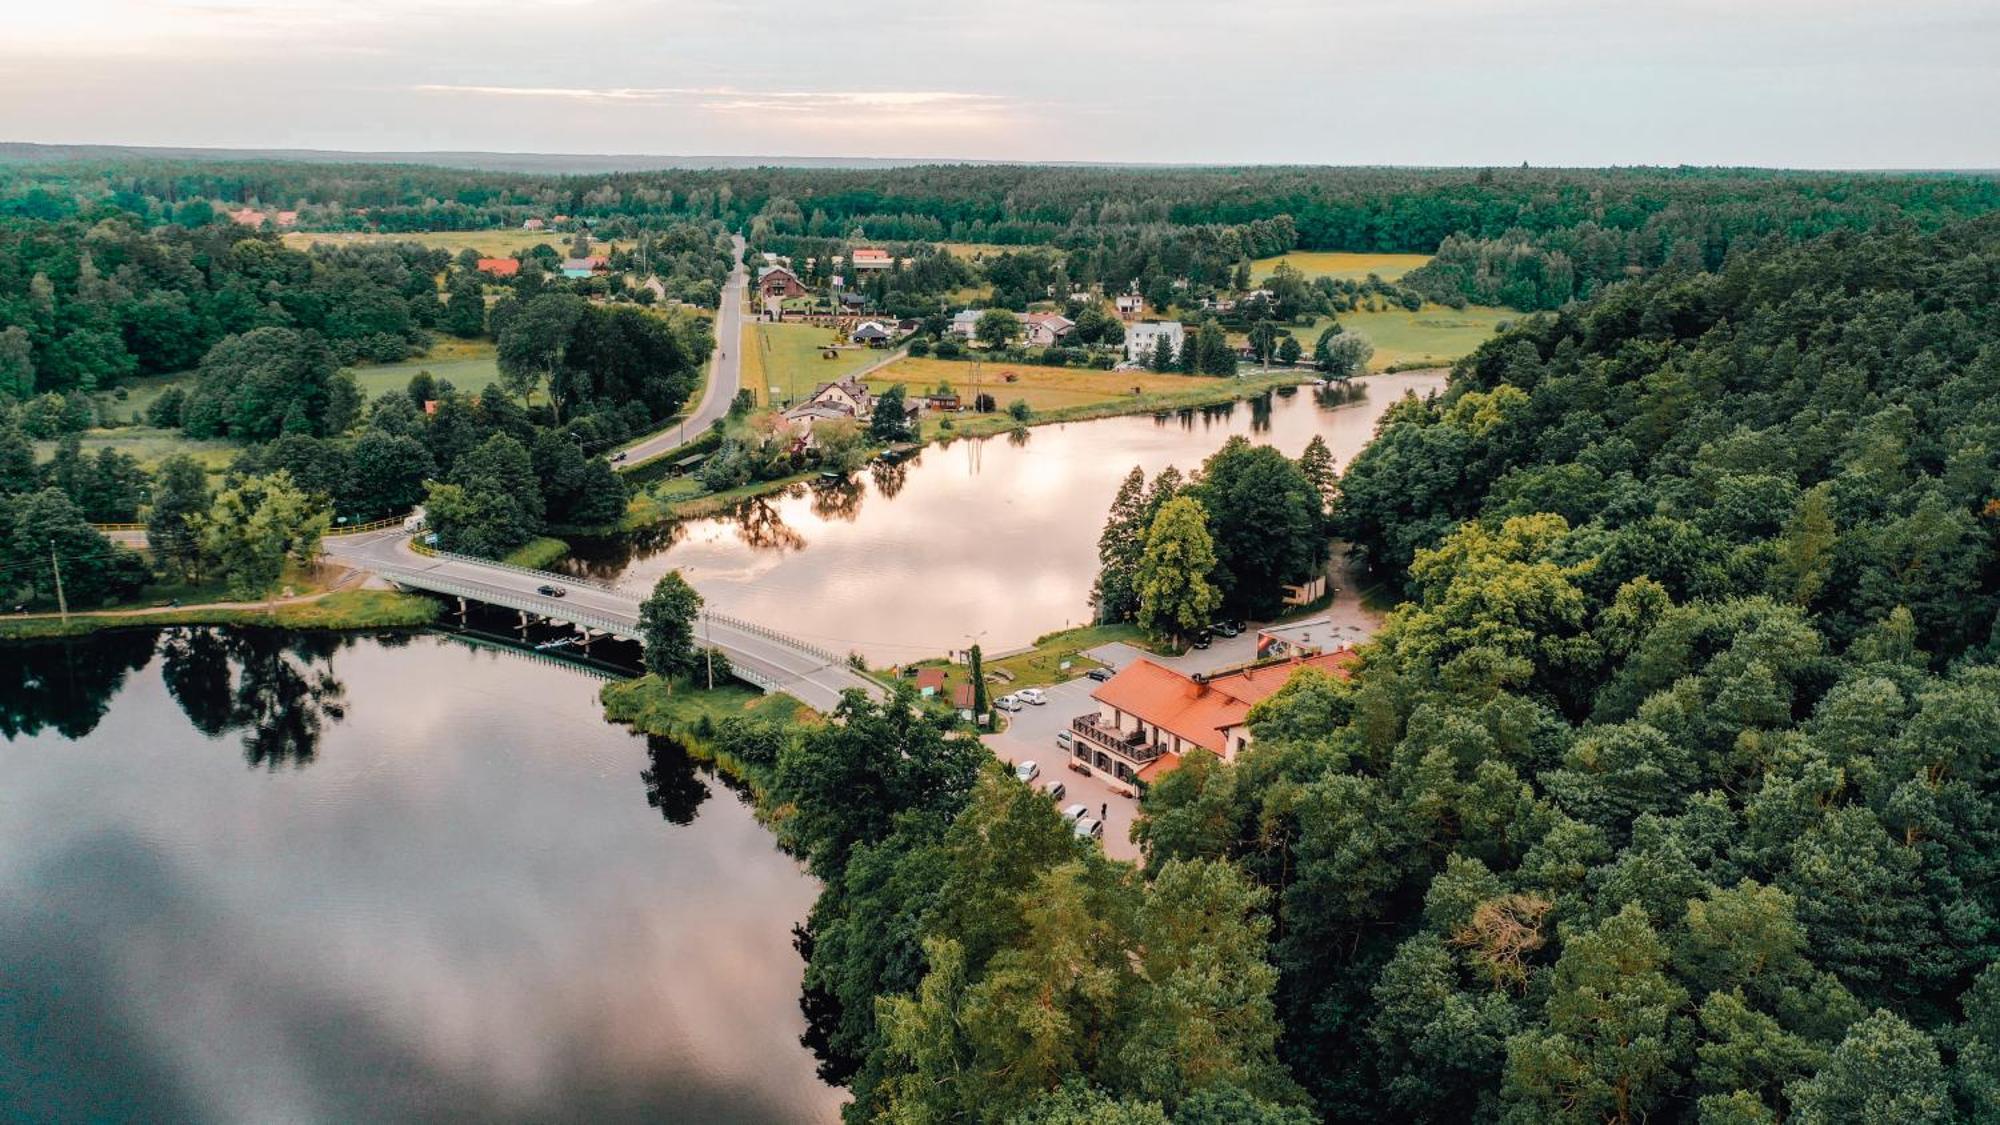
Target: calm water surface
(995, 538)
(264, 877)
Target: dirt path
(347, 578)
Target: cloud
(847, 112)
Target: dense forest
(1668, 794)
(1531, 238)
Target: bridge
(759, 655)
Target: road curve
(769, 659)
(725, 373)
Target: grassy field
(1346, 267)
(984, 249)
(489, 243)
(1044, 388)
(150, 446)
(1433, 335)
(468, 365)
(788, 356)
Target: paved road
(725, 372)
(777, 663)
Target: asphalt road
(811, 677)
(725, 373)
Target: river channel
(257, 876)
(992, 538)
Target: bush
(1019, 410)
(948, 349)
(920, 347)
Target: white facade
(1141, 340)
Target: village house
(870, 258)
(871, 332)
(656, 287)
(1142, 339)
(585, 267)
(1046, 329)
(964, 321)
(1131, 305)
(499, 267)
(777, 281)
(534, 224)
(844, 398)
(1149, 715)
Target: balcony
(1128, 745)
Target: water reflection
(993, 535)
(462, 911)
(65, 685)
(837, 499)
(672, 785)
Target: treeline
(1669, 795)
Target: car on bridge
(549, 590)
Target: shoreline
(329, 610)
(980, 426)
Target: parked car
(1027, 771)
(1031, 695)
(1102, 674)
(1202, 639)
(1089, 828)
(1228, 629)
(618, 457)
(1057, 791)
(1076, 812)
(548, 591)
(1008, 702)
(1065, 740)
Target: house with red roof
(870, 258)
(1149, 715)
(500, 267)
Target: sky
(1780, 83)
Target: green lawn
(1431, 335)
(150, 446)
(468, 365)
(790, 357)
(1346, 267)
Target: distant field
(150, 446)
(1044, 388)
(489, 243)
(469, 365)
(788, 356)
(1432, 334)
(1346, 267)
(984, 249)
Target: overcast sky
(1802, 83)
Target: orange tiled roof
(500, 267)
(1201, 712)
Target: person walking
(1104, 811)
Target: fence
(531, 572)
(769, 634)
(364, 528)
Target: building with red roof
(1149, 715)
(500, 267)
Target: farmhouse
(1142, 339)
(871, 332)
(1149, 715)
(845, 398)
(500, 267)
(869, 258)
(1047, 328)
(777, 281)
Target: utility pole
(62, 603)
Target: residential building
(585, 267)
(1143, 339)
(964, 321)
(845, 398)
(1149, 715)
(1131, 305)
(870, 258)
(1045, 329)
(871, 332)
(777, 281)
(1300, 638)
(500, 267)
(534, 224)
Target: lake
(258, 876)
(991, 538)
